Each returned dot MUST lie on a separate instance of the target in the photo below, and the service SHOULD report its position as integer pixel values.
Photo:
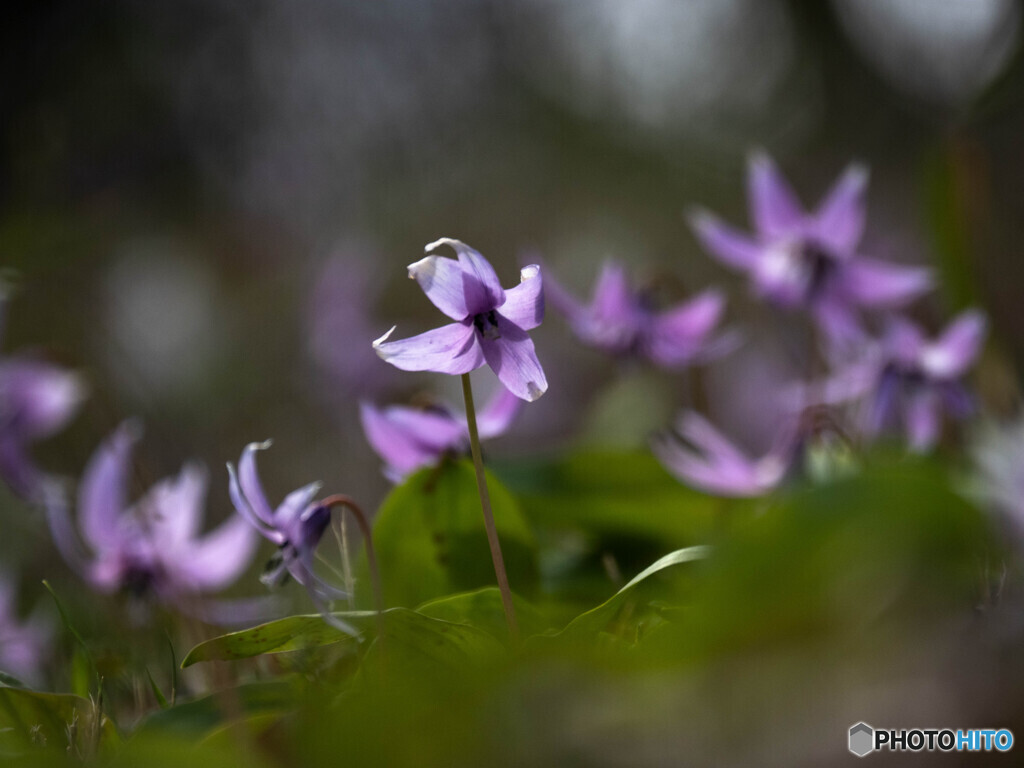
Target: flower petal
(839, 221)
(773, 205)
(524, 304)
(173, 507)
(244, 508)
(554, 292)
(483, 292)
(219, 557)
(873, 283)
(514, 360)
(101, 495)
(58, 518)
(956, 349)
(728, 245)
(37, 398)
(249, 482)
(678, 335)
(288, 515)
(452, 349)
(408, 438)
(497, 414)
(445, 283)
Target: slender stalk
(346, 502)
(485, 503)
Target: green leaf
(402, 627)
(482, 608)
(890, 547)
(596, 619)
(201, 716)
(58, 720)
(291, 634)
(421, 645)
(615, 493)
(157, 693)
(430, 538)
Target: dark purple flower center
(137, 579)
(487, 324)
(819, 264)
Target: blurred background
(209, 206)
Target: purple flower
(701, 456)
(907, 379)
(490, 323)
(23, 644)
(410, 438)
(295, 527)
(622, 321)
(797, 259)
(153, 547)
(37, 399)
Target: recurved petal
(873, 283)
(497, 414)
(514, 360)
(408, 438)
(218, 558)
(953, 353)
(249, 482)
(728, 245)
(101, 495)
(524, 304)
(174, 507)
(58, 519)
(679, 335)
(244, 508)
(705, 474)
(773, 205)
(452, 349)
(445, 283)
(839, 221)
(483, 292)
(38, 398)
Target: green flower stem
(485, 503)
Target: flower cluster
(809, 262)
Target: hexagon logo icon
(862, 739)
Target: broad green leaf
(401, 626)
(615, 493)
(202, 716)
(483, 609)
(416, 644)
(430, 538)
(291, 634)
(596, 619)
(891, 546)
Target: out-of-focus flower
(806, 260)
(623, 321)
(490, 323)
(37, 399)
(295, 527)
(153, 547)
(23, 644)
(408, 438)
(709, 461)
(907, 379)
